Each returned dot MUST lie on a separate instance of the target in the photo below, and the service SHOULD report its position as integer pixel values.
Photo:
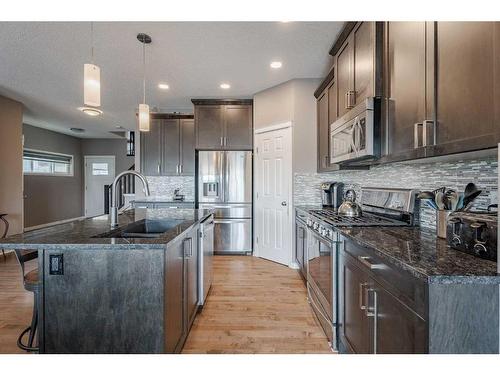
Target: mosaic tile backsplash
(425, 176)
(165, 185)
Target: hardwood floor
(255, 306)
(16, 304)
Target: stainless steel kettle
(349, 207)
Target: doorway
(273, 194)
(99, 171)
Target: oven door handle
(317, 308)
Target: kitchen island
(130, 289)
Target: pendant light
(92, 78)
(143, 107)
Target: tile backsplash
(421, 176)
(165, 185)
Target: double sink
(146, 228)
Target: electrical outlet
(56, 264)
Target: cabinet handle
(424, 132)
(180, 168)
(350, 98)
(158, 168)
(189, 253)
(326, 161)
(225, 141)
(361, 295)
(366, 261)
(373, 313)
(416, 137)
(222, 141)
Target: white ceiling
(41, 65)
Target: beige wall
(292, 101)
(11, 164)
(273, 105)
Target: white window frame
(71, 164)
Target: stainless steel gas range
(381, 207)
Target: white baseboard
(41, 226)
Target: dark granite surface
(80, 234)
(158, 199)
(422, 254)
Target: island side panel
(106, 301)
(464, 318)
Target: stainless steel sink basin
(146, 228)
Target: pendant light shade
(91, 85)
(143, 117)
(143, 107)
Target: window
(100, 169)
(47, 163)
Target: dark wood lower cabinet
(355, 326)
(396, 328)
(374, 319)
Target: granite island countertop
(81, 233)
(422, 253)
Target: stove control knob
(309, 222)
(480, 250)
(328, 233)
(456, 241)
(316, 226)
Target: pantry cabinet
(223, 124)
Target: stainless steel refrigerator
(225, 185)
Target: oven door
(353, 139)
(320, 275)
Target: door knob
(283, 203)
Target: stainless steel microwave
(354, 136)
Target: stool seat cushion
(31, 278)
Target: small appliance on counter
(474, 232)
(178, 197)
(331, 194)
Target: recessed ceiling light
(225, 86)
(163, 86)
(276, 64)
(90, 111)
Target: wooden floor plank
(255, 306)
(16, 304)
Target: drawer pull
(366, 261)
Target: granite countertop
(80, 233)
(421, 253)
(158, 199)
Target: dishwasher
(206, 253)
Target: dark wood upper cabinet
(238, 127)
(363, 39)
(209, 126)
(150, 149)
(344, 77)
(466, 84)
(332, 101)
(168, 148)
(223, 124)
(187, 155)
(323, 136)
(170, 141)
(406, 99)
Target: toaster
(474, 232)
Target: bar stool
(31, 284)
(6, 223)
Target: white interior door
(273, 211)
(99, 171)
